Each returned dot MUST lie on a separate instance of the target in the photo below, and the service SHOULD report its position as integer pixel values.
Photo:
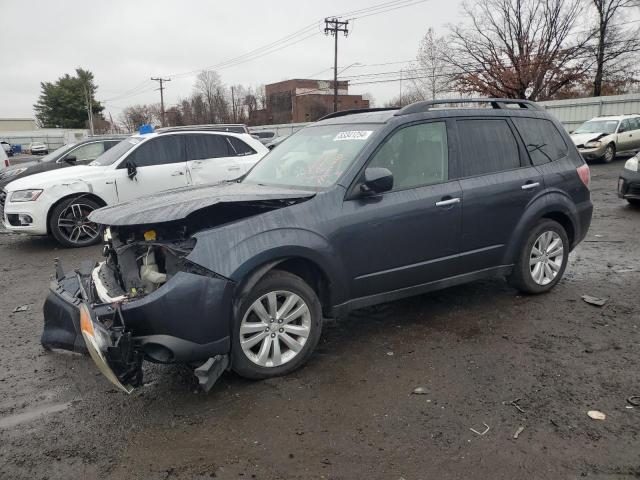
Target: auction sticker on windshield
(353, 135)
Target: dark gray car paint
(392, 242)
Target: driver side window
(625, 126)
(416, 155)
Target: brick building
(304, 100)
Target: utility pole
(400, 89)
(161, 80)
(333, 26)
(87, 98)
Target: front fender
(552, 202)
(240, 258)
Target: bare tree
(614, 44)
(519, 48)
(432, 75)
(134, 116)
(208, 85)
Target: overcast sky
(124, 43)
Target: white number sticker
(353, 135)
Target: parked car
(264, 136)
(79, 153)
(59, 202)
(38, 148)
(602, 138)
(629, 181)
(6, 146)
(392, 203)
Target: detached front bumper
(186, 320)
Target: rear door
(160, 165)
(210, 158)
(625, 136)
(498, 181)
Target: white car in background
(38, 148)
(58, 202)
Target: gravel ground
(350, 413)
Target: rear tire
(68, 223)
(609, 153)
(542, 258)
(276, 327)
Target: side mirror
(70, 159)
(376, 180)
(132, 171)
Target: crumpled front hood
(582, 138)
(177, 204)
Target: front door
(409, 235)
(160, 165)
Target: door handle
(450, 201)
(530, 186)
(234, 168)
(110, 182)
(176, 174)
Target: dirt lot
(350, 413)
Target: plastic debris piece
(518, 432)
(487, 428)
(596, 415)
(599, 302)
(419, 391)
(21, 308)
(634, 400)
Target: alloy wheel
(75, 226)
(275, 328)
(545, 259)
(608, 154)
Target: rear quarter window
(542, 139)
(239, 148)
(486, 146)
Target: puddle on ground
(29, 415)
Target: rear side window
(487, 146)
(239, 148)
(544, 142)
(416, 155)
(159, 151)
(200, 147)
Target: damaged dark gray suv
(360, 208)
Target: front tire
(276, 328)
(634, 202)
(609, 153)
(542, 259)
(69, 225)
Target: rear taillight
(585, 174)
(6, 162)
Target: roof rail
(497, 103)
(343, 113)
(223, 127)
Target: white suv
(58, 202)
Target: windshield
(598, 126)
(314, 157)
(57, 153)
(115, 152)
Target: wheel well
(90, 196)
(566, 223)
(307, 270)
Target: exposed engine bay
(142, 258)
